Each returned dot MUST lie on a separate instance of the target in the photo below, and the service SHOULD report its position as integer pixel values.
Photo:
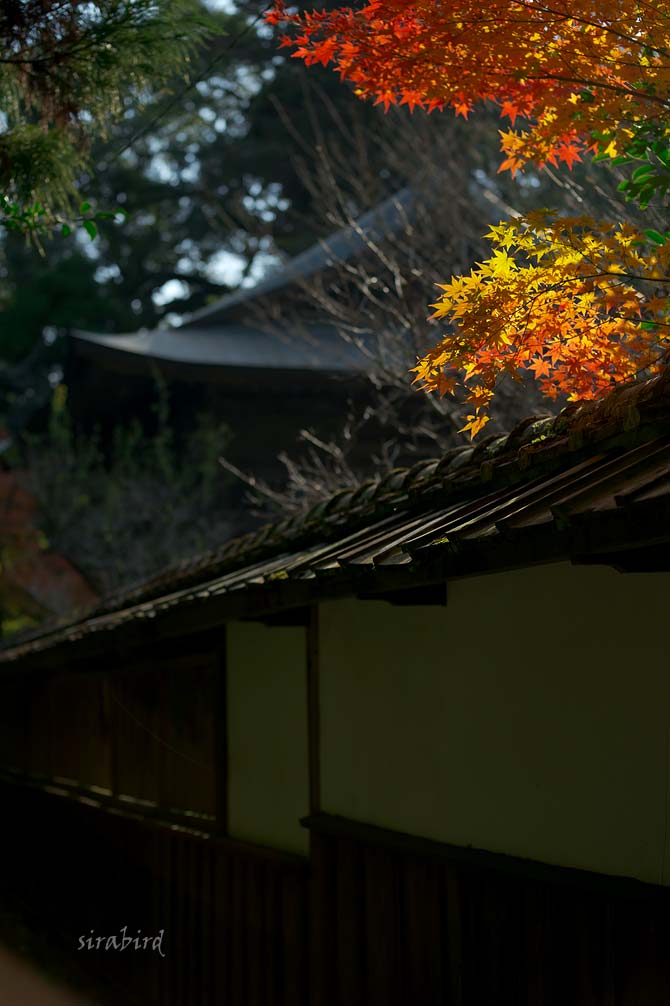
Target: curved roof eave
(318, 348)
(386, 218)
(212, 337)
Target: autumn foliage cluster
(581, 303)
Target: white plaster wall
(530, 716)
(267, 735)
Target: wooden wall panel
(137, 716)
(389, 924)
(235, 917)
(57, 726)
(14, 713)
(80, 747)
(164, 732)
(146, 732)
(40, 746)
(394, 926)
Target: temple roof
(314, 348)
(386, 218)
(220, 335)
(591, 486)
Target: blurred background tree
(228, 163)
(69, 68)
(212, 197)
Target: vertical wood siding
(395, 927)
(373, 920)
(163, 729)
(146, 732)
(235, 917)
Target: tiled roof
(219, 335)
(588, 485)
(318, 348)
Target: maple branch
(616, 88)
(531, 5)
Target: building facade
(410, 748)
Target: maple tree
(35, 580)
(579, 302)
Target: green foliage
(69, 68)
(13, 621)
(35, 221)
(650, 145)
(208, 176)
(62, 292)
(39, 164)
(148, 501)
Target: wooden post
(221, 736)
(313, 712)
(111, 721)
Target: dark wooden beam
(92, 802)
(111, 719)
(313, 711)
(334, 826)
(297, 617)
(221, 736)
(648, 559)
(428, 594)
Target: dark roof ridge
(533, 436)
(536, 446)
